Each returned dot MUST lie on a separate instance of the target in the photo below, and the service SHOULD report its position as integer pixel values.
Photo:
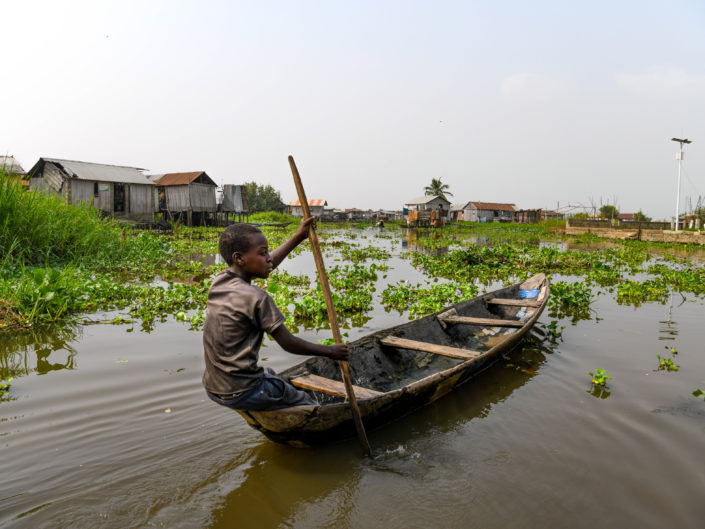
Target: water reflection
(39, 350)
(668, 329)
(600, 392)
(278, 480)
(318, 488)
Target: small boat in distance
(397, 370)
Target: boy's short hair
(235, 238)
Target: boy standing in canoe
(237, 317)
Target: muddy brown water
(86, 439)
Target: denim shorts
(272, 393)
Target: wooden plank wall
(81, 190)
(53, 178)
(177, 198)
(202, 197)
(141, 199)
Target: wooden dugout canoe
(397, 370)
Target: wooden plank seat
(331, 387)
(514, 302)
(445, 350)
(487, 322)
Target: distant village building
(189, 197)
(13, 170)
(549, 214)
(428, 203)
(383, 214)
(527, 216)
(11, 166)
(315, 206)
(456, 212)
(626, 217)
(353, 214)
(427, 210)
(488, 212)
(121, 191)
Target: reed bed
(41, 229)
(51, 250)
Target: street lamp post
(679, 157)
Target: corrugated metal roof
(100, 172)
(180, 179)
(11, 165)
(424, 200)
(311, 202)
(493, 205)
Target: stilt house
(189, 197)
(235, 202)
(123, 192)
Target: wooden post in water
(325, 287)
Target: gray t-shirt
(237, 317)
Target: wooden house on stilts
(235, 202)
(186, 197)
(123, 192)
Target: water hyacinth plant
(599, 377)
(666, 364)
(5, 386)
(699, 393)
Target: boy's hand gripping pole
(325, 287)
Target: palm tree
(437, 188)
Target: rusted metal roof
(493, 206)
(311, 202)
(180, 179)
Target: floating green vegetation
(599, 377)
(667, 364)
(553, 331)
(5, 386)
(360, 255)
(570, 300)
(699, 393)
(636, 291)
(420, 301)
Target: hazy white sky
(524, 102)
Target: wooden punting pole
(325, 287)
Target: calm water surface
(108, 428)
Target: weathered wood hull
(406, 379)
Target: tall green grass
(38, 228)
(50, 251)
